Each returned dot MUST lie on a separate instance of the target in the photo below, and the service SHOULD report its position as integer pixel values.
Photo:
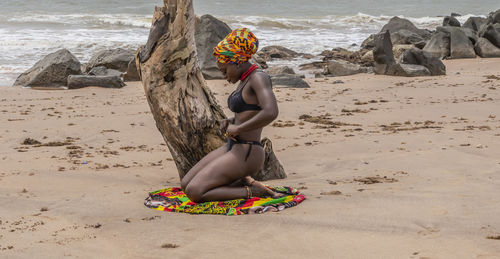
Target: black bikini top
(237, 104)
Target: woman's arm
(261, 85)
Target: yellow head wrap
(237, 47)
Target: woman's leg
(201, 164)
(212, 182)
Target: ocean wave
(131, 20)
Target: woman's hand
(232, 131)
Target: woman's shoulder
(260, 78)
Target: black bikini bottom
(238, 141)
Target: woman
(216, 177)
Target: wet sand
(392, 167)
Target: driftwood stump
(77, 81)
(185, 110)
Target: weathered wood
(76, 81)
(185, 110)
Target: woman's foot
(260, 190)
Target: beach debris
(43, 209)
(331, 193)
(52, 71)
(375, 179)
(169, 245)
(30, 141)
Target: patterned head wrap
(237, 47)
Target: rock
(474, 23)
(289, 81)
(52, 71)
(367, 57)
(403, 37)
(382, 53)
(396, 24)
(347, 55)
(337, 82)
(259, 61)
(369, 43)
(280, 70)
(342, 68)
(411, 70)
(494, 17)
(103, 71)
(80, 81)
(455, 15)
(471, 34)
(451, 21)
(485, 49)
(117, 59)
(209, 31)
(439, 45)
(492, 33)
(417, 56)
(313, 65)
(398, 50)
(270, 52)
(460, 45)
(420, 44)
(132, 73)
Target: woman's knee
(194, 193)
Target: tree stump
(185, 110)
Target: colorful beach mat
(174, 199)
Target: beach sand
(411, 171)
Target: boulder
(439, 45)
(474, 23)
(492, 33)
(289, 81)
(342, 68)
(382, 53)
(369, 43)
(117, 59)
(367, 57)
(132, 73)
(410, 70)
(52, 71)
(417, 56)
(494, 17)
(420, 44)
(259, 61)
(451, 21)
(209, 31)
(280, 70)
(403, 37)
(485, 49)
(398, 50)
(80, 81)
(471, 34)
(313, 65)
(460, 45)
(396, 24)
(103, 71)
(346, 55)
(270, 52)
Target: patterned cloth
(174, 199)
(237, 47)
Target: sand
(392, 168)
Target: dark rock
(402, 37)
(52, 71)
(420, 44)
(492, 33)
(209, 31)
(270, 52)
(355, 57)
(289, 81)
(439, 45)
(451, 21)
(417, 56)
(103, 71)
(280, 70)
(398, 50)
(313, 65)
(132, 73)
(460, 45)
(474, 23)
(342, 68)
(494, 17)
(410, 70)
(382, 53)
(485, 49)
(369, 43)
(455, 15)
(259, 61)
(338, 82)
(396, 24)
(471, 34)
(75, 82)
(117, 59)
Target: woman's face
(230, 71)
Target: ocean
(31, 29)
